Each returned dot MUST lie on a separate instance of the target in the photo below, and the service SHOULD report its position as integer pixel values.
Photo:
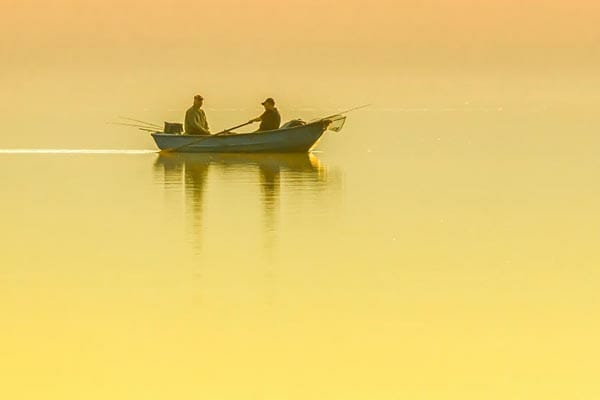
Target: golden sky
(97, 59)
(378, 32)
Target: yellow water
(419, 254)
(443, 246)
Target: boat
(290, 138)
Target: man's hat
(268, 100)
(198, 97)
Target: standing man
(270, 119)
(195, 119)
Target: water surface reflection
(236, 177)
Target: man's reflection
(270, 177)
(299, 171)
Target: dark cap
(198, 97)
(268, 100)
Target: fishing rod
(154, 129)
(347, 111)
(143, 122)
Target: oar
(235, 127)
(204, 138)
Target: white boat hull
(299, 139)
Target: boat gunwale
(255, 133)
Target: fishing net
(337, 123)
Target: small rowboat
(293, 139)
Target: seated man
(270, 119)
(195, 119)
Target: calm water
(423, 253)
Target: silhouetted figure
(270, 119)
(195, 119)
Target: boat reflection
(195, 172)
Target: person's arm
(196, 126)
(203, 123)
(203, 130)
(197, 121)
(259, 118)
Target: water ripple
(74, 151)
